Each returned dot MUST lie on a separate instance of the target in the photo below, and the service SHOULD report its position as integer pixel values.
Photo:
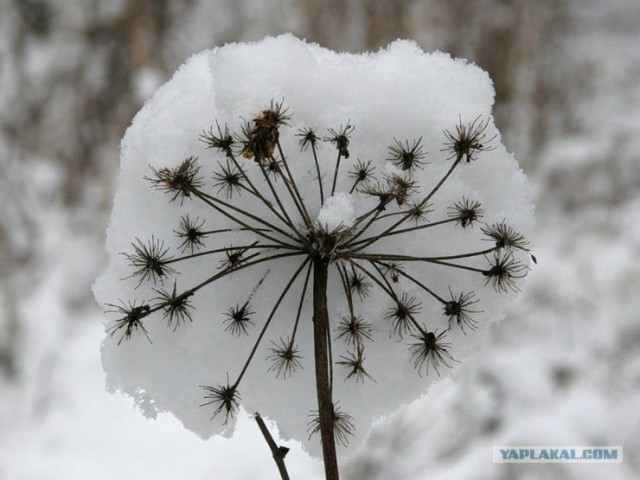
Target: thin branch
(352, 243)
(315, 159)
(297, 198)
(335, 173)
(278, 452)
(420, 284)
(410, 258)
(422, 203)
(253, 246)
(279, 202)
(268, 322)
(217, 205)
(224, 273)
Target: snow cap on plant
(259, 164)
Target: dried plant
(398, 206)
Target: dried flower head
(505, 236)
(354, 362)
(459, 312)
(229, 178)
(343, 426)
(179, 182)
(354, 330)
(504, 272)
(131, 316)
(284, 251)
(150, 260)
(362, 172)
(465, 212)
(238, 318)
(260, 139)
(221, 139)
(308, 138)
(340, 138)
(430, 351)
(285, 357)
(403, 314)
(225, 398)
(176, 308)
(358, 283)
(352, 243)
(418, 211)
(468, 140)
(191, 233)
(391, 270)
(408, 156)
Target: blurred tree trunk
(518, 42)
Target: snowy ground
(562, 369)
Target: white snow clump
(397, 99)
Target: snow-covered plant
(314, 235)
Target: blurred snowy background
(562, 369)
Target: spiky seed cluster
(505, 236)
(429, 350)
(354, 362)
(179, 182)
(285, 357)
(259, 139)
(191, 233)
(466, 212)
(354, 330)
(308, 138)
(399, 207)
(221, 139)
(459, 312)
(340, 138)
(225, 398)
(408, 156)
(238, 318)
(175, 308)
(228, 179)
(358, 284)
(468, 140)
(150, 261)
(418, 211)
(504, 272)
(362, 171)
(343, 425)
(403, 313)
(130, 319)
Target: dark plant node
(238, 318)
(466, 212)
(340, 138)
(430, 351)
(407, 156)
(468, 140)
(285, 358)
(131, 319)
(150, 261)
(343, 426)
(191, 233)
(225, 398)
(180, 181)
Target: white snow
(338, 212)
(574, 330)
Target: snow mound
(389, 103)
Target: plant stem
(278, 452)
(323, 385)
